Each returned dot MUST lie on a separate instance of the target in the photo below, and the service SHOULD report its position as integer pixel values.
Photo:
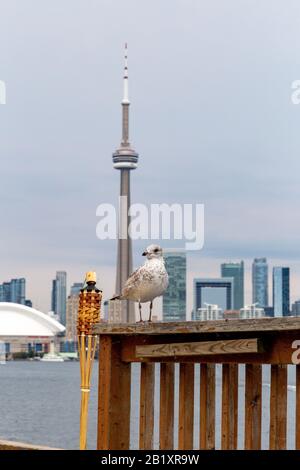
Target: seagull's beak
(145, 253)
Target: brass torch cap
(91, 276)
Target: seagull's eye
(156, 250)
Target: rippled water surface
(40, 404)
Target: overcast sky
(211, 116)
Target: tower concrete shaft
(125, 159)
(124, 256)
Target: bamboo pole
(88, 314)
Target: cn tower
(125, 159)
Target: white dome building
(21, 326)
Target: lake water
(40, 404)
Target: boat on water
(52, 356)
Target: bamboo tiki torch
(88, 314)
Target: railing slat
(186, 407)
(229, 406)
(278, 407)
(253, 391)
(166, 413)
(207, 406)
(297, 414)
(147, 406)
(201, 348)
(113, 397)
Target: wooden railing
(230, 343)
(13, 445)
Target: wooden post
(207, 406)
(147, 406)
(186, 407)
(113, 396)
(278, 407)
(166, 408)
(229, 406)
(253, 391)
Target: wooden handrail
(203, 327)
(230, 343)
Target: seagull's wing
(139, 276)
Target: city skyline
(66, 177)
(211, 271)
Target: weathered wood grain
(166, 408)
(207, 406)
(186, 407)
(278, 407)
(147, 406)
(113, 397)
(229, 406)
(253, 407)
(230, 346)
(188, 327)
(278, 349)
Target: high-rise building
(76, 288)
(269, 311)
(174, 298)
(260, 282)
(114, 311)
(251, 311)
(53, 296)
(296, 308)
(217, 291)
(72, 312)
(14, 291)
(17, 291)
(236, 271)
(208, 312)
(5, 292)
(281, 291)
(125, 159)
(59, 296)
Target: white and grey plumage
(147, 282)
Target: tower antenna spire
(125, 78)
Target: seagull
(147, 282)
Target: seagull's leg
(151, 305)
(140, 310)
